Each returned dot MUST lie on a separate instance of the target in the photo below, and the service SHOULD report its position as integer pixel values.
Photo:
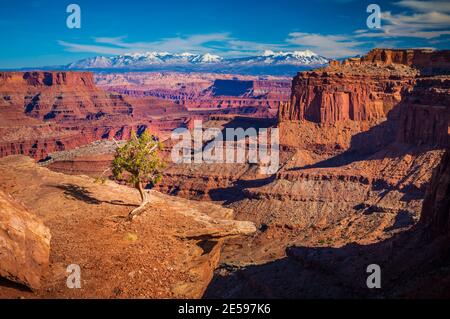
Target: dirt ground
(118, 259)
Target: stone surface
(426, 60)
(24, 244)
(425, 113)
(169, 251)
(436, 206)
(323, 97)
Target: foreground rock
(24, 244)
(170, 251)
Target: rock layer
(324, 97)
(24, 244)
(429, 62)
(425, 113)
(436, 205)
(43, 112)
(58, 96)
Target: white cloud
(425, 19)
(92, 48)
(425, 6)
(249, 47)
(118, 45)
(333, 46)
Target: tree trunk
(142, 192)
(144, 201)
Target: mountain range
(269, 62)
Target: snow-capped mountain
(206, 58)
(269, 62)
(138, 60)
(306, 57)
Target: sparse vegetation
(138, 163)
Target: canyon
(204, 94)
(364, 147)
(43, 112)
(49, 111)
(359, 144)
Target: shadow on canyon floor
(402, 219)
(235, 192)
(83, 194)
(328, 272)
(366, 145)
(250, 122)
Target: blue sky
(34, 33)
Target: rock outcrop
(427, 61)
(24, 244)
(59, 96)
(436, 205)
(383, 88)
(170, 251)
(425, 113)
(329, 97)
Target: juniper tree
(138, 163)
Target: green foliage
(100, 180)
(138, 160)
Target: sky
(34, 33)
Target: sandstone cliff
(329, 97)
(58, 96)
(429, 62)
(425, 113)
(382, 86)
(43, 112)
(436, 205)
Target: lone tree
(138, 163)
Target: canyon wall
(59, 96)
(425, 113)
(358, 145)
(324, 97)
(436, 205)
(43, 112)
(203, 93)
(382, 86)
